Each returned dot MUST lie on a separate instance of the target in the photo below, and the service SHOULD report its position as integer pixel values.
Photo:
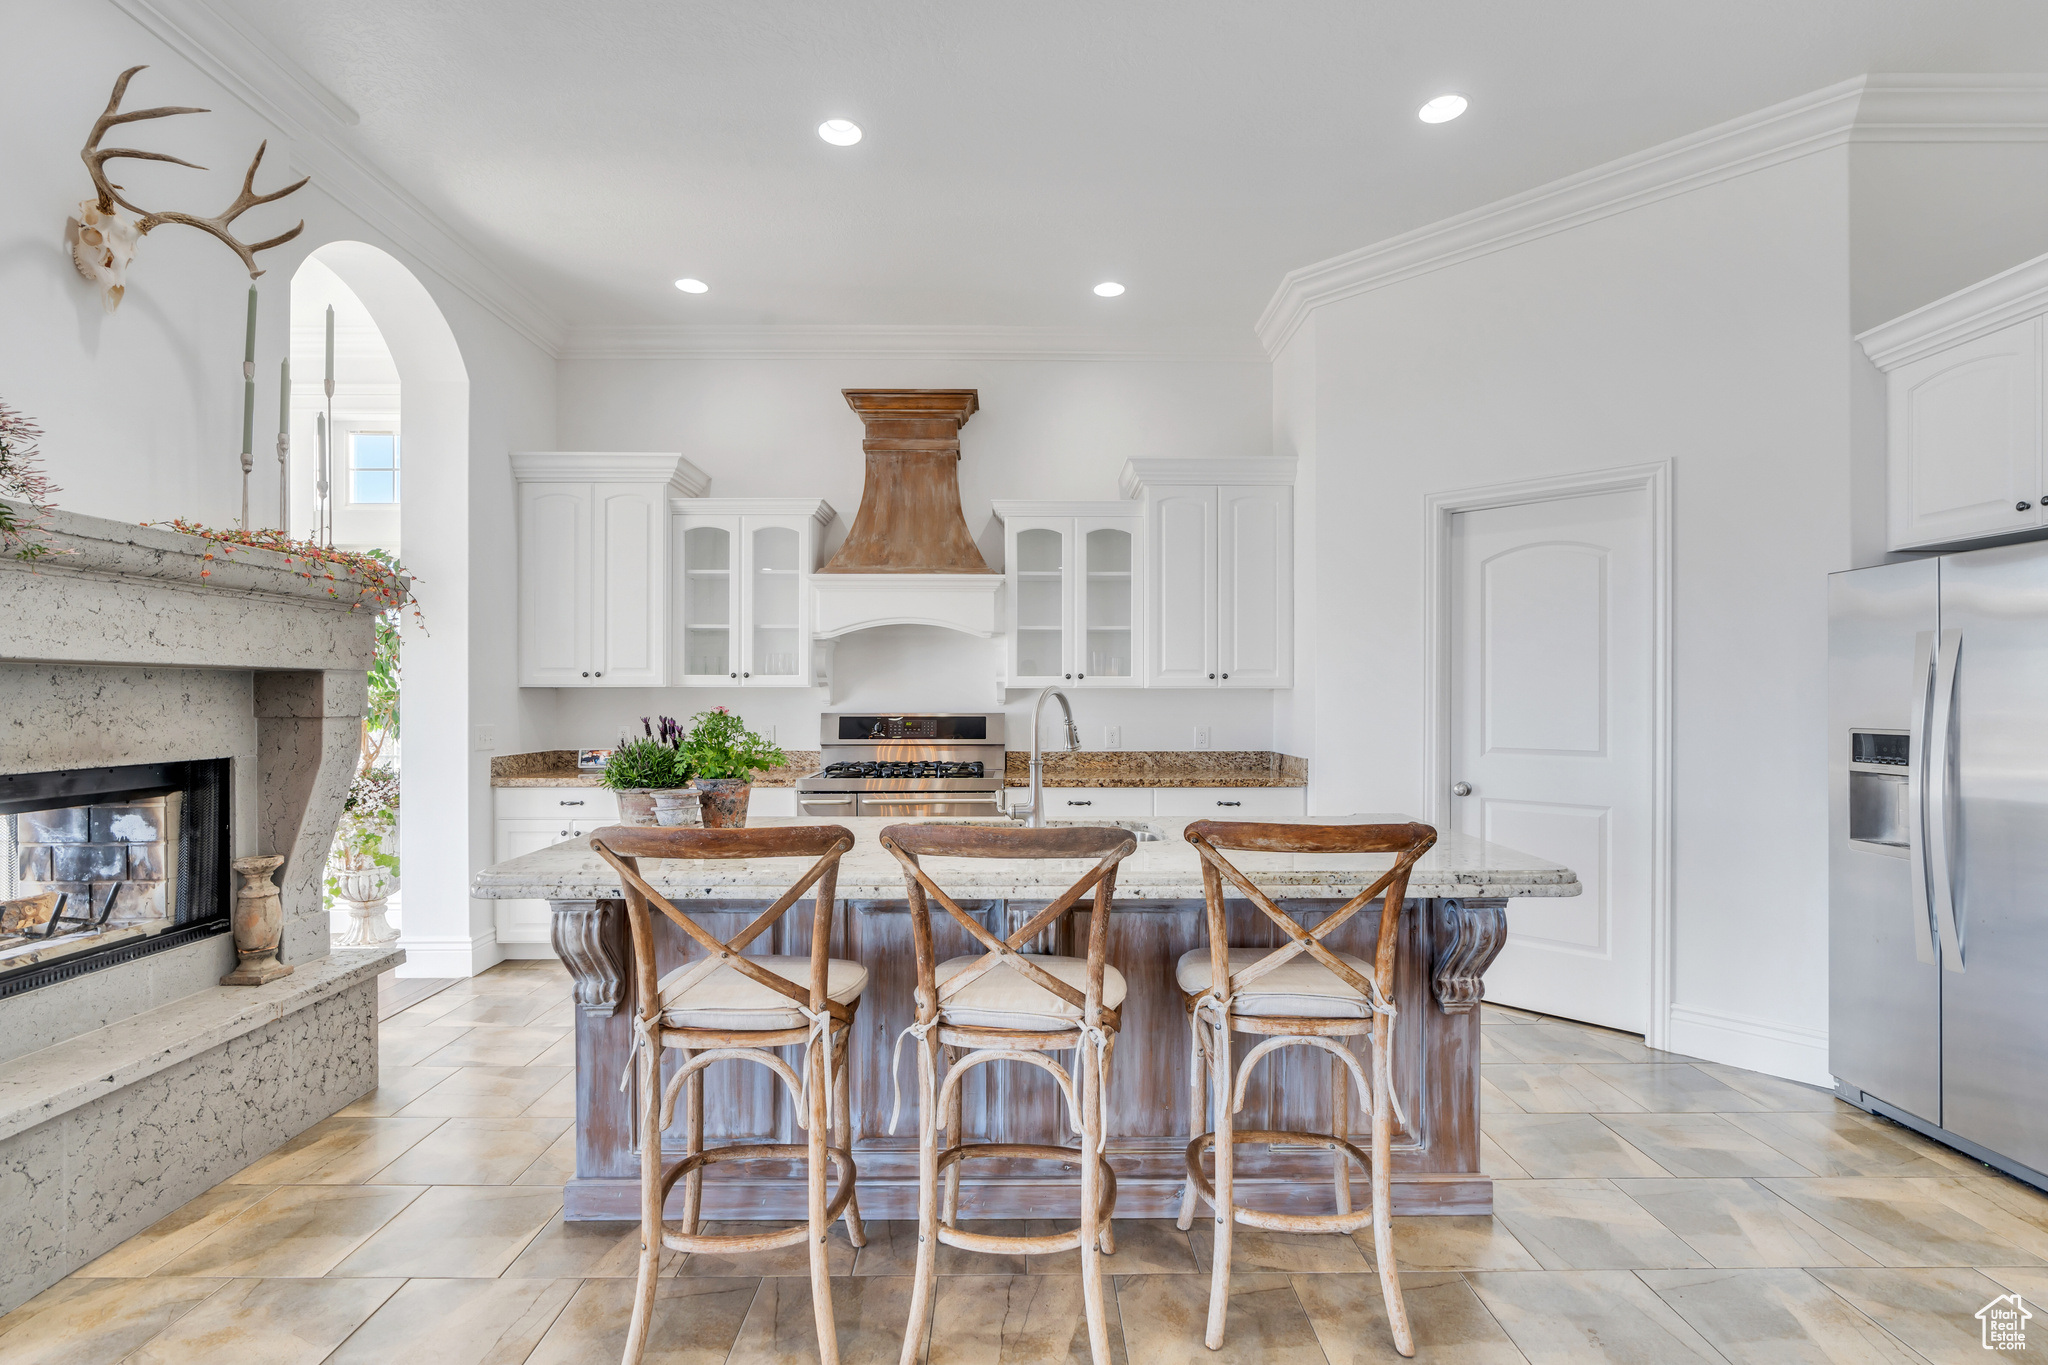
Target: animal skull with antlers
(106, 241)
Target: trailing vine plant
(22, 480)
(376, 577)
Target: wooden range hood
(909, 519)
(909, 558)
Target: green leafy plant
(653, 761)
(22, 481)
(720, 745)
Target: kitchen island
(1453, 924)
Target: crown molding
(311, 116)
(1985, 307)
(593, 466)
(1876, 108)
(817, 509)
(1138, 476)
(585, 341)
(1006, 508)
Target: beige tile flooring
(1650, 1209)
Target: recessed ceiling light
(1442, 109)
(1109, 289)
(839, 132)
(692, 286)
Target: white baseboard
(444, 957)
(1797, 1054)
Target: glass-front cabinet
(1074, 592)
(743, 568)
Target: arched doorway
(430, 450)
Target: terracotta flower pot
(724, 800)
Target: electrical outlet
(1112, 736)
(770, 736)
(1203, 738)
(486, 738)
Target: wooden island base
(1445, 946)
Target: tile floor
(1650, 1209)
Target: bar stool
(1299, 995)
(1009, 1005)
(726, 1006)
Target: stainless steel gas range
(942, 764)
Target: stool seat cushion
(726, 999)
(1003, 997)
(1299, 988)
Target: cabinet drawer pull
(1080, 803)
(563, 835)
(571, 803)
(1212, 677)
(2022, 506)
(586, 672)
(1230, 803)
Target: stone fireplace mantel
(130, 645)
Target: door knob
(1461, 789)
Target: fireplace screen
(105, 865)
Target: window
(373, 466)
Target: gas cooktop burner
(902, 770)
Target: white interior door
(1551, 675)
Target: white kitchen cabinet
(529, 819)
(1075, 575)
(1964, 431)
(593, 566)
(1082, 803)
(1218, 571)
(1229, 803)
(742, 588)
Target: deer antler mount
(106, 240)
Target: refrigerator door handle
(1940, 764)
(1916, 795)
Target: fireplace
(106, 865)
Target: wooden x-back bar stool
(1301, 994)
(1010, 1005)
(726, 1006)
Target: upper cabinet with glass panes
(1075, 579)
(742, 590)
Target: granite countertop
(1087, 768)
(557, 768)
(1166, 869)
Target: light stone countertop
(1168, 869)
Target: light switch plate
(486, 738)
(1203, 738)
(1112, 736)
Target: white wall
(142, 408)
(1708, 329)
(1053, 428)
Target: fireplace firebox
(106, 865)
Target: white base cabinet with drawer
(1082, 803)
(529, 819)
(1229, 803)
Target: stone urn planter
(259, 923)
(364, 895)
(677, 807)
(724, 801)
(636, 806)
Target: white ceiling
(1019, 152)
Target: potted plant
(724, 754)
(650, 774)
(359, 870)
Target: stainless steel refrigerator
(1938, 838)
